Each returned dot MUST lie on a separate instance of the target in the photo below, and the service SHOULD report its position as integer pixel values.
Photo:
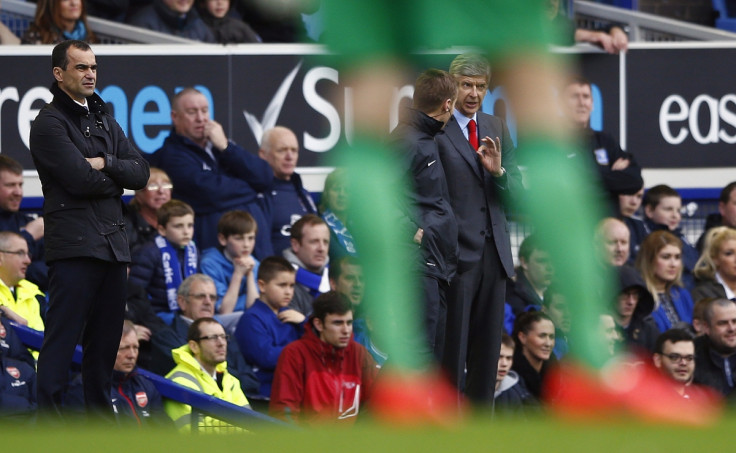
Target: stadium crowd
(241, 287)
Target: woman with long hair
(660, 264)
(58, 20)
(715, 271)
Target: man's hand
(98, 163)
(142, 332)
(619, 39)
(291, 316)
(620, 164)
(490, 155)
(35, 228)
(214, 133)
(418, 236)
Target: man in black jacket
(432, 223)
(618, 172)
(84, 162)
(715, 352)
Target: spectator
(135, 399)
(613, 239)
(29, 226)
(674, 356)
(632, 311)
(346, 278)
(617, 170)
(611, 39)
(430, 221)
(7, 36)
(210, 172)
(325, 376)
(628, 206)
(226, 28)
(333, 208)
(660, 264)
(611, 336)
(196, 297)
(699, 315)
(17, 388)
(174, 17)
(288, 200)
(534, 334)
(510, 395)
(310, 241)
(533, 276)
(201, 366)
(556, 307)
(715, 271)
(715, 352)
(269, 325)
(662, 205)
(58, 20)
(231, 264)
(142, 214)
(20, 300)
(726, 215)
(277, 21)
(162, 264)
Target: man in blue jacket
(210, 172)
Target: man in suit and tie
(478, 156)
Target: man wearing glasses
(715, 352)
(674, 356)
(200, 366)
(20, 300)
(196, 297)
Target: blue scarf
(341, 232)
(172, 269)
(310, 280)
(79, 32)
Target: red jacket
(314, 381)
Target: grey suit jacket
(475, 195)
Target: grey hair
(471, 65)
(186, 285)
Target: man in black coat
(478, 177)
(715, 352)
(618, 171)
(433, 224)
(84, 162)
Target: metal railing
(201, 404)
(645, 26)
(17, 15)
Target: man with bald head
(613, 240)
(287, 200)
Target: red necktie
(473, 135)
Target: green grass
(536, 435)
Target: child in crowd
(662, 205)
(510, 395)
(162, 264)
(231, 264)
(268, 325)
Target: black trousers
(474, 325)
(87, 299)
(435, 313)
